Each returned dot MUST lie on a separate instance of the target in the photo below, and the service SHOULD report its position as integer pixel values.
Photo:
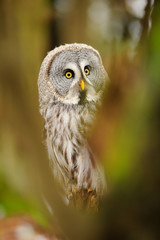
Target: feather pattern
(69, 114)
(73, 163)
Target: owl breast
(67, 127)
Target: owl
(71, 84)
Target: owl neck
(65, 118)
(67, 128)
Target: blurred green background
(127, 135)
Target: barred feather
(73, 163)
(68, 120)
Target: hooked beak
(82, 84)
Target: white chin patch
(92, 95)
(72, 97)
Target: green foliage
(13, 203)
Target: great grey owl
(71, 83)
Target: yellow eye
(68, 75)
(86, 70)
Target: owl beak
(82, 84)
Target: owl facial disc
(73, 68)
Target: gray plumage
(71, 83)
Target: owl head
(72, 74)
